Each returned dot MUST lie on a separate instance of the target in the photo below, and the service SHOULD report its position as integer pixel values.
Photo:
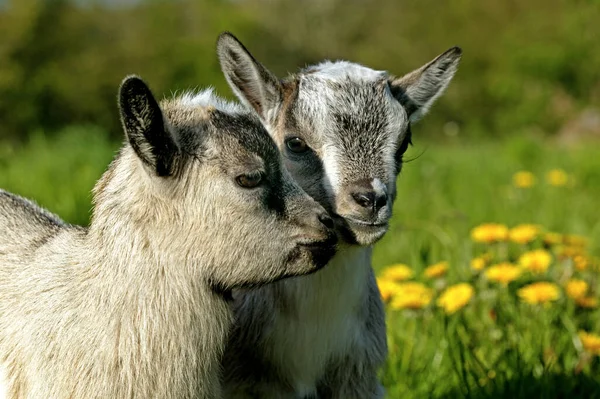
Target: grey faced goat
(343, 129)
(195, 204)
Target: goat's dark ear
(254, 84)
(418, 90)
(145, 127)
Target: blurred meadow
(490, 270)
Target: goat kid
(343, 130)
(195, 204)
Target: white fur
(330, 166)
(207, 98)
(300, 343)
(340, 70)
(378, 186)
(3, 383)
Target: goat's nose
(326, 220)
(370, 199)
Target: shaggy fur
(135, 305)
(343, 129)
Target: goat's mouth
(367, 224)
(359, 231)
(319, 252)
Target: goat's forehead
(227, 131)
(355, 112)
(246, 131)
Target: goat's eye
(297, 145)
(250, 180)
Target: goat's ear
(254, 84)
(418, 90)
(145, 127)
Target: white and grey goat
(342, 129)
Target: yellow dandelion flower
(576, 240)
(568, 251)
(524, 233)
(557, 177)
(536, 261)
(436, 270)
(397, 272)
(590, 342)
(552, 239)
(581, 262)
(489, 232)
(576, 288)
(478, 263)
(542, 292)
(412, 296)
(523, 179)
(387, 288)
(455, 297)
(503, 273)
(587, 302)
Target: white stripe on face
(378, 187)
(331, 169)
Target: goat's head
(342, 128)
(210, 188)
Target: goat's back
(24, 226)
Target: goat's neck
(339, 285)
(161, 315)
(131, 261)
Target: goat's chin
(310, 257)
(362, 235)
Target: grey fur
(324, 335)
(135, 306)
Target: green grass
(495, 347)
(58, 172)
(528, 350)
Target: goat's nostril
(370, 199)
(326, 220)
(365, 199)
(381, 201)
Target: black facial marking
(191, 143)
(248, 131)
(250, 134)
(276, 202)
(406, 141)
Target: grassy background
(446, 189)
(527, 66)
(527, 351)
(529, 69)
